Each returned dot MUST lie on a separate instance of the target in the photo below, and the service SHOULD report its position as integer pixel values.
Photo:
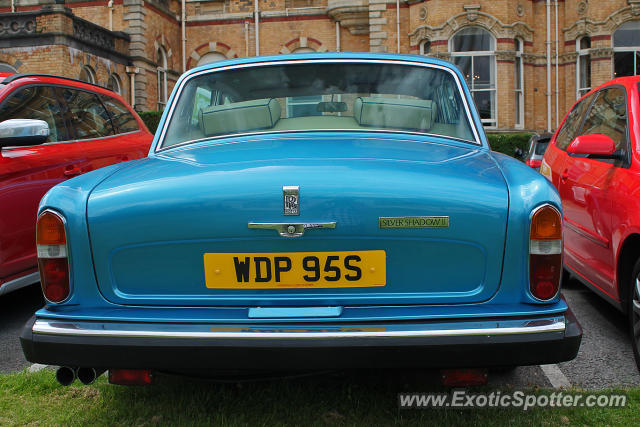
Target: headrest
(412, 114)
(239, 117)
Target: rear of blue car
(301, 213)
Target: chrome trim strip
(291, 229)
(118, 330)
(175, 98)
(19, 283)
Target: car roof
(323, 55)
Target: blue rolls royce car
(303, 212)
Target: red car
(594, 162)
(72, 128)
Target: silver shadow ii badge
(291, 198)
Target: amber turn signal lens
(50, 230)
(546, 224)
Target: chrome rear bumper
(302, 346)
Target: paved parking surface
(605, 359)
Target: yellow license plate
(349, 269)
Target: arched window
(210, 57)
(303, 50)
(626, 49)
(114, 84)
(583, 76)
(161, 62)
(473, 51)
(6, 68)
(519, 83)
(88, 75)
(425, 47)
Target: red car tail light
(533, 163)
(545, 253)
(130, 376)
(53, 262)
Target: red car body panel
(27, 173)
(601, 202)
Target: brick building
(526, 60)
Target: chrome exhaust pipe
(88, 375)
(65, 375)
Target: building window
(519, 84)
(161, 62)
(425, 47)
(583, 76)
(6, 68)
(114, 84)
(210, 57)
(626, 49)
(88, 75)
(473, 51)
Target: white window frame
(491, 123)
(90, 74)
(422, 49)
(117, 87)
(519, 92)
(632, 49)
(7, 68)
(162, 78)
(583, 55)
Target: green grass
(329, 399)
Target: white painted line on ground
(37, 367)
(555, 376)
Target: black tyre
(633, 311)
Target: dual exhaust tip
(67, 375)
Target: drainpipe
(183, 25)
(110, 5)
(13, 5)
(246, 38)
(337, 36)
(548, 43)
(256, 14)
(557, 91)
(398, 23)
(132, 71)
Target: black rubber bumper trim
(200, 355)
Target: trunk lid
(151, 225)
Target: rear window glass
(541, 147)
(122, 118)
(319, 96)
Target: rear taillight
(53, 262)
(545, 253)
(533, 163)
(130, 376)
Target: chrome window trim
(175, 98)
(142, 330)
(71, 141)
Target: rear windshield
(541, 147)
(319, 96)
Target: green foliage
(507, 142)
(151, 119)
